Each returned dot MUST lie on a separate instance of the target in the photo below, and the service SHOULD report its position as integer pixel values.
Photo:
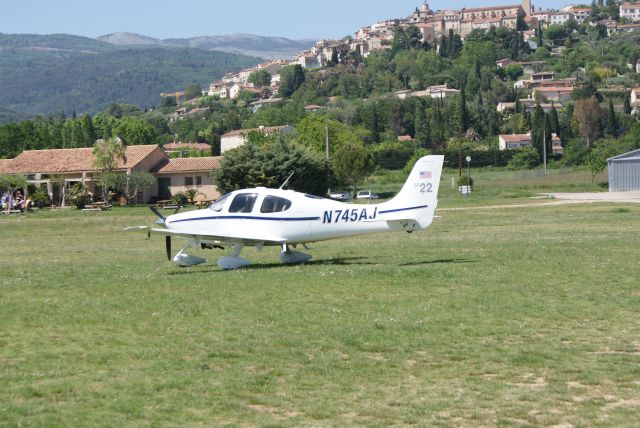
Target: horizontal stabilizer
(136, 229)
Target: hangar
(624, 172)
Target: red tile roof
(4, 164)
(189, 165)
(181, 145)
(514, 138)
(54, 161)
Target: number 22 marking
(426, 187)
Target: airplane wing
(222, 238)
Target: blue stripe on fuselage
(403, 209)
(242, 217)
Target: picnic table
(97, 206)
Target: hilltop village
(511, 86)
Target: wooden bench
(11, 211)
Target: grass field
(514, 316)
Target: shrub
(39, 198)
(180, 198)
(526, 158)
(575, 153)
(465, 180)
(79, 195)
(391, 154)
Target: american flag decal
(425, 174)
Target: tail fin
(418, 197)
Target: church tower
(526, 6)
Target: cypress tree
(423, 130)
(464, 113)
(553, 117)
(612, 122)
(627, 104)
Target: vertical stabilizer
(418, 197)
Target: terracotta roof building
(71, 166)
(179, 174)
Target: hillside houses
(519, 141)
(237, 138)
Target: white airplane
(274, 217)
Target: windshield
(217, 205)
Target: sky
(162, 19)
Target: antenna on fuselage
(286, 181)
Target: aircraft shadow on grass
(339, 261)
(437, 261)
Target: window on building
(198, 181)
(243, 203)
(274, 204)
(188, 181)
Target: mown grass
(497, 185)
(491, 317)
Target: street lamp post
(469, 170)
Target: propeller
(167, 243)
(156, 212)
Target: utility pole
(326, 146)
(545, 125)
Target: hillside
(48, 74)
(245, 44)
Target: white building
(630, 11)
(237, 138)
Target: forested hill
(42, 75)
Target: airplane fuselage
(307, 219)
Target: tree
(464, 113)
(11, 183)
(260, 77)
(587, 113)
(596, 163)
(135, 131)
(422, 128)
(513, 71)
(352, 163)
(538, 128)
(129, 185)
(107, 155)
(613, 128)
(269, 163)
(520, 24)
(459, 145)
(627, 104)
(192, 91)
(291, 77)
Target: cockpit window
(217, 205)
(274, 204)
(243, 203)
